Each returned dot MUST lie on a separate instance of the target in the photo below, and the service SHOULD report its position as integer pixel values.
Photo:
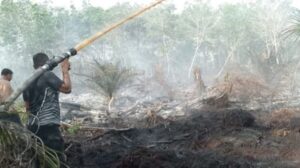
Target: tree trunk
(165, 53)
(227, 61)
(198, 42)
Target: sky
(108, 3)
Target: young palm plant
(21, 148)
(109, 78)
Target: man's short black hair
(6, 71)
(39, 59)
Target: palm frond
(20, 148)
(293, 29)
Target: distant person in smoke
(5, 87)
(42, 102)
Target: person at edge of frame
(5, 87)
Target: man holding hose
(42, 102)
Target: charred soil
(226, 138)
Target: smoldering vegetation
(203, 87)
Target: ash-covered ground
(225, 128)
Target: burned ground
(215, 130)
(207, 138)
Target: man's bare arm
(66, 87)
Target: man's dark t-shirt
(42, 96)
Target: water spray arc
(72, 52)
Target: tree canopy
(214, 38)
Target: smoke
(200, 36)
